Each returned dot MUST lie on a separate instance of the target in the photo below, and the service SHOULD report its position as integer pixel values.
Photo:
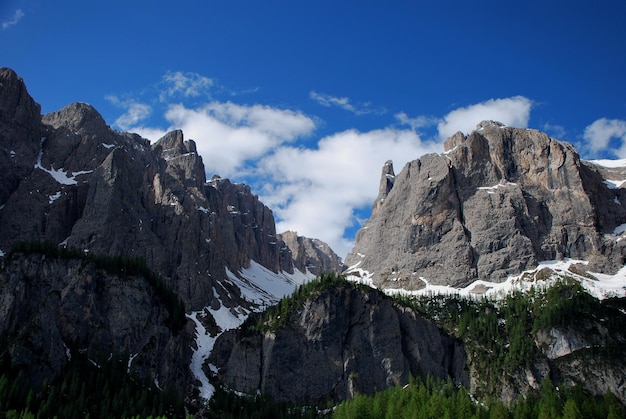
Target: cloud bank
(319, 188)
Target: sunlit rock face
(495, 203)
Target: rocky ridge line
(494, 204)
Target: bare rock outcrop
(344, 341)
(495, 203)
(52, 309)
(311, 255)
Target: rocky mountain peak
(311, 255)
(16, 105)
(183, 161)
(77, 116)
(387, 178)
(495, 203)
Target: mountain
(68, 179)
(333, 343)
(508, 214)
(335, 339)
(496, 203)
(499, 267)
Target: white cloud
(599, 134)
(513, 111)
(417, 122)
(320, 190)
(229, 135)
(345, 104)
(135, 112)
(17, 16)
(185, 84)
(316, 191)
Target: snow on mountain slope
(599, 285)
(258, 285)
(609, 163)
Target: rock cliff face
(52, 309)
(311, 254)
(69, 178)
(495, 203)
(343, 341)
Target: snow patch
(611, 164)
(109, 146)
(258, 285)
(225, 319)
(263, 287)
(617, 233)
(60, 175)
(356, 274)
(130, 362)
(490, 189)
(614, 184)
(52, 198)
(598, 285)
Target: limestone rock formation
(311, 255)
(52, 309)
(344, 341)
(495, 203)
(71, 179)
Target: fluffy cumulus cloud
(513, 111)
(316, 191)
(601, 133)
(229, 135)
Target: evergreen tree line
(84, 390)
(442, 400)
(229, 405)
(499, 334)
(122, 266)
(429, 399)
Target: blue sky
(305, 100)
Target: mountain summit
(495, 203)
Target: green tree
(571, 410)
